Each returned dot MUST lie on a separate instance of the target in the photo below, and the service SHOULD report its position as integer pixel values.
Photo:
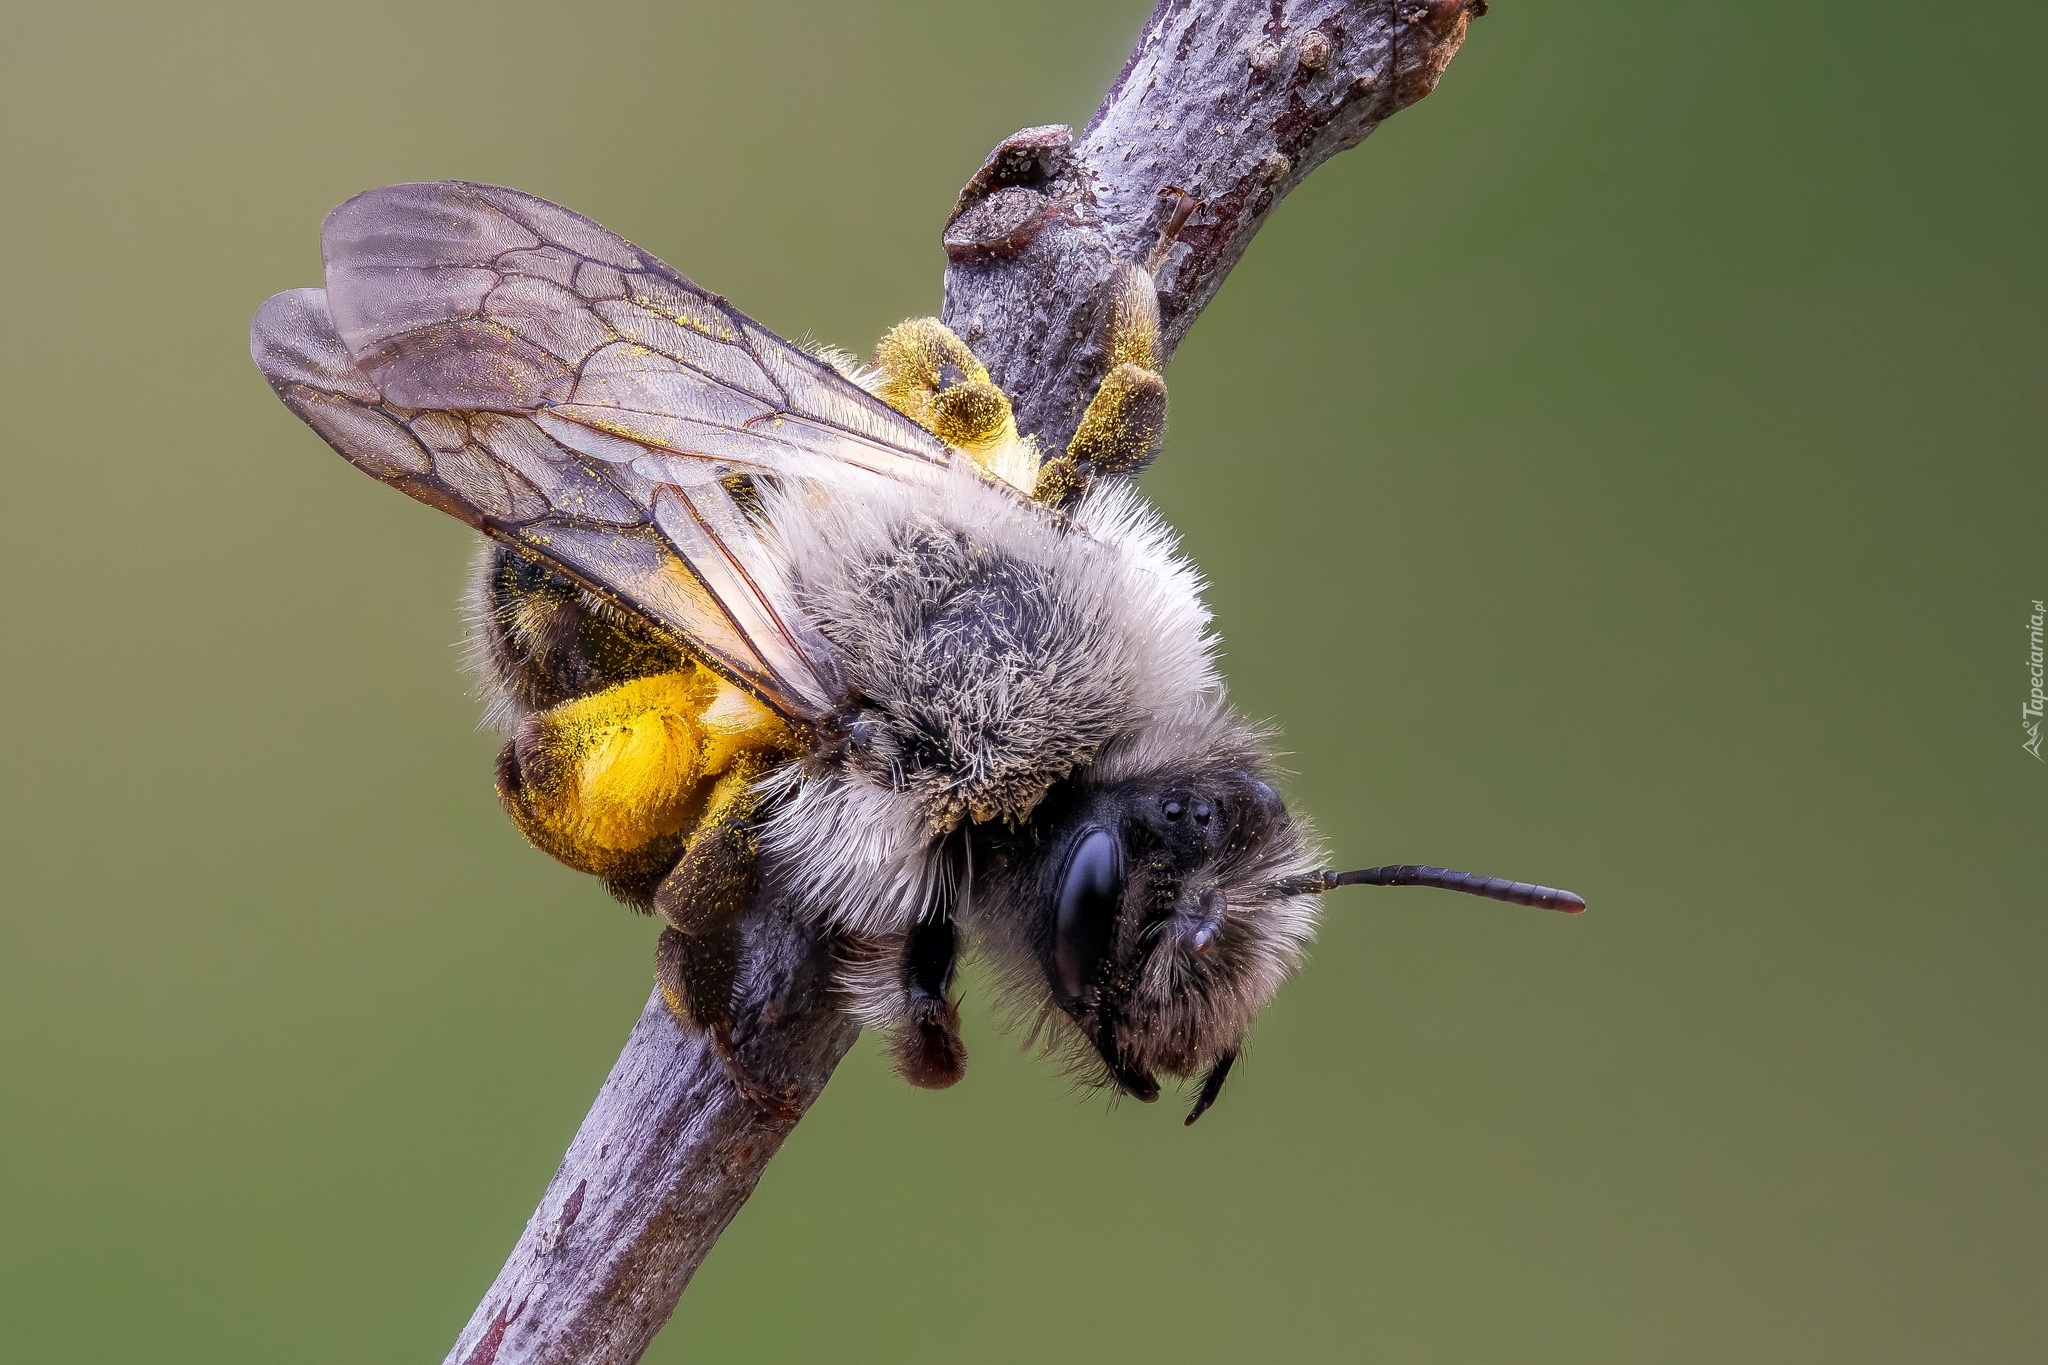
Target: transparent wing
(519, 367)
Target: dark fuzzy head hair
(1157, 959)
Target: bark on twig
(1229, 105)
(664, 1159)
(1223, 107)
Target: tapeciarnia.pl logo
(2030, 714)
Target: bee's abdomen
(540, 640)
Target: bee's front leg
(926, 1047)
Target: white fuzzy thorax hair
(997, 647)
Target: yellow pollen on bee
(638, 761)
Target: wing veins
(743, 327)
(649, 443)
(765, 407)
(745, 575)
(703, 651)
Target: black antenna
(1410, 874)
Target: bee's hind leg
(1125, 422)
(696, 973)
(932, 377)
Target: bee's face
(1156, 915)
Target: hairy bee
(757, 619)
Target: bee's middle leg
(696, 963)
(704, 898)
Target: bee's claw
(780, 1107)
(1212, 1086)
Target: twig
(1222, 108)
(664, 1159)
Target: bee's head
(1154, 902)
(1161, 910)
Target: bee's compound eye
(1268, 801)
(1089, 895)
(1174, 809)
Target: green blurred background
(1624, 471)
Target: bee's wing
(519, 367)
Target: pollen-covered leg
(704, 899)
(930, 376)
(715, 881)
(612, 782)
(1125, 422)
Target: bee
(758, 620)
